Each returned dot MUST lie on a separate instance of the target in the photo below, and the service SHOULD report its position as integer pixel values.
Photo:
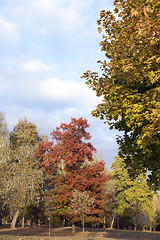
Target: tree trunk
(135, 227)
(73, 227)
(14, 220)
(83, 224)
(49, 219)
(112, 222)
(104, 222)
(150, 227)
(22, 222)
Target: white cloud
(67, 91)
(8, 30)
(50, 17)
(26, 82)
(65, 16)
(34, 66)
(43, 31)
(43, 6)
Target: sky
(45, 47)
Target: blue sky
(46, 46)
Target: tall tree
(122, 182)
(156, 207)
(68, 158)
(134, 197)
(22, 175)
(130, 81)
(4, 152)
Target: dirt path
(42, 233)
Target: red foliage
(69, 159)
(68, 145)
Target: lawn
(41, 233)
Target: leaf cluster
(129, 82)
(134, 197)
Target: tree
(4, 150)
(110, 207)
(122, 182)
(80, 204)
(156, 207)
(24, 133)
(68, 148)
(21, 178)
(3, 129)
(134, 197)
(140, 198)
(129, 83)
(68, 159)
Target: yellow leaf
(99, 29)
(158, 60)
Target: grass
(41, 233)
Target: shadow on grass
(36, 231)
(130, 235)
(66, 233)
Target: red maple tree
(68, 159)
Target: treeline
(61, 180)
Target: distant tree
(110, 208)
(3, 139)
(68, 159)
(24, 133)
(134, 197)
(3, 129)
(80, 204)
(156, 207)
(4, 151)
(140, 198)
(141, 221)
(35, 213)
(21, 178)
(129, 82)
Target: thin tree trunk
(73, 227)
(104, 222)
(49, 226)
(83, 223)
(14, 220)
(150, 227)
(135, 227)
(22, 222)
(112, 222)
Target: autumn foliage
(67, 147)
(129, 81)
(68, 159)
